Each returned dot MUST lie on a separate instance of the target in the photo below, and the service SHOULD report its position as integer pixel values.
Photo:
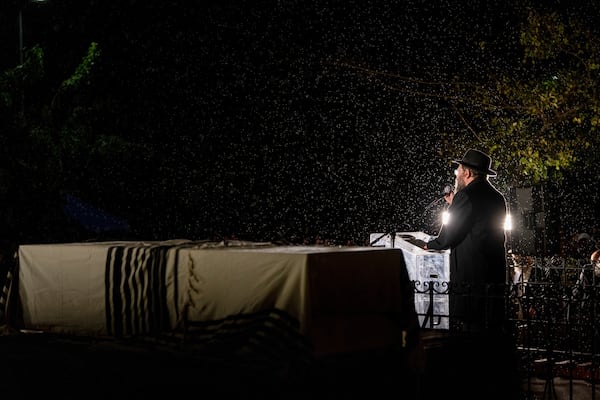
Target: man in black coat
(474, 233)
(475, 236)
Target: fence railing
(553, 307)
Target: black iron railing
(552, 306)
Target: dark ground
(71, 367)
(84, 367)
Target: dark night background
(254, 119)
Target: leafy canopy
(542, 120)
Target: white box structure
(429, 269)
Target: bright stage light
(445, 217)
(508, 222)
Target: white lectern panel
(430, 269)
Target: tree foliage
(533, 104)
(540, 120)
(49, 137)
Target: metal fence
(553, 308)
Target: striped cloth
(137, 305)
(268, 341)
(136, 302)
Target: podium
(428, 269)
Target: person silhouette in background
(590, 273)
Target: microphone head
(447, 190)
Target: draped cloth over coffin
(341, 299)
(136, 289)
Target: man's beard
(459, 184)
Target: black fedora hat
(477, 160)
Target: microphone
(447, 190)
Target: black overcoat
(475, 236)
